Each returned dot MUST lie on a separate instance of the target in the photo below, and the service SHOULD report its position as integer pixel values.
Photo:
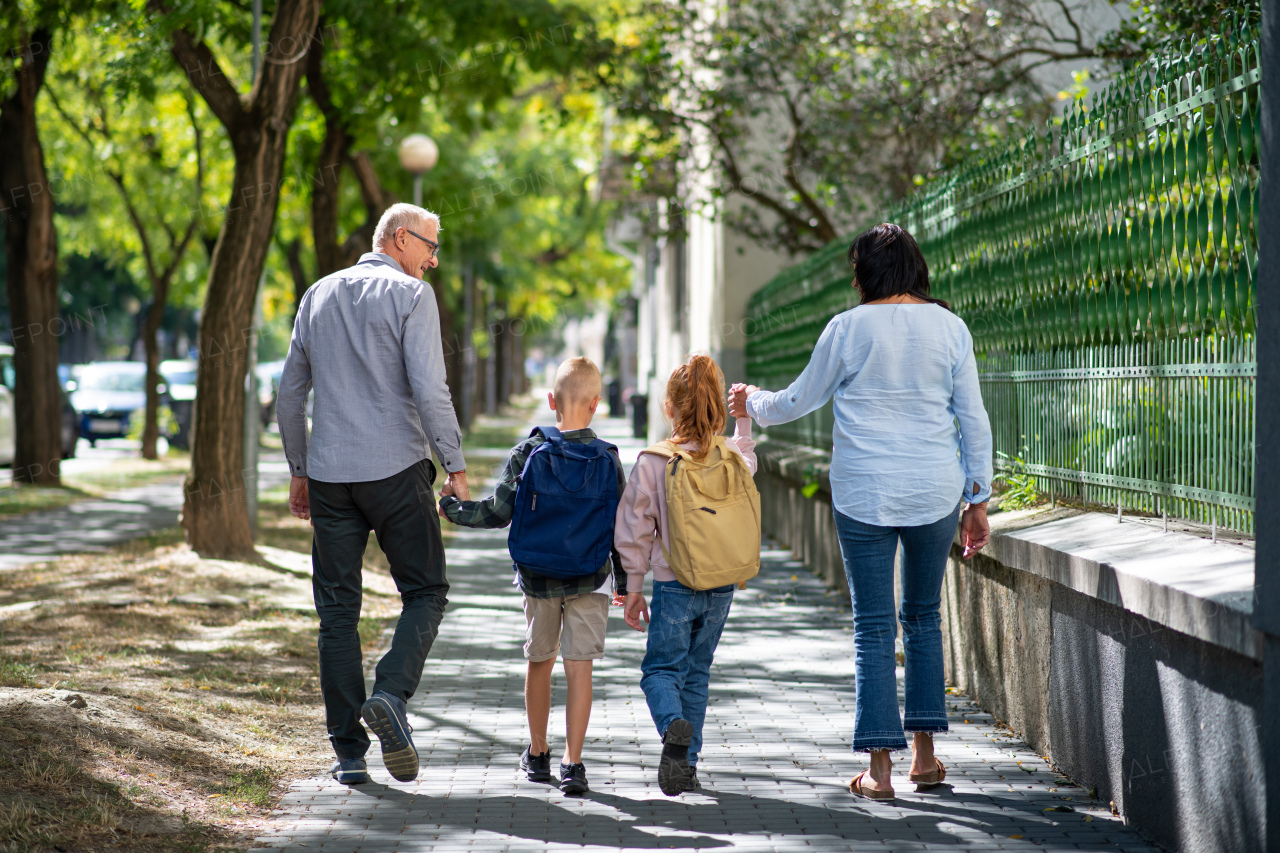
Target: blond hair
(577, 381)
(695, 393)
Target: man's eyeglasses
(435, 247)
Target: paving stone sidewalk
(775, 765)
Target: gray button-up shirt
(368, 340)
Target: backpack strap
(666, 450)
(550, 433)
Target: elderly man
(367, 339)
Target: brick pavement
(775, 764)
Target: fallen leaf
(139, 708)
(1015, 836)
(1088, 818)
(212, 796)
(1059, 809)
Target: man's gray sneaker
(385, 716)
(350, 771)
(673, 768)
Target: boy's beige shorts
(573, 626)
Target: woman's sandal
(928, 780)
(855, 787)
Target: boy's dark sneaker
(674, 771)
(573, 779)
(693, 784)
(385, 715)
(536, 767)
(350, 771)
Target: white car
(180, 375)
(8, 413)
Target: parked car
(107, 395)
(8, 414)
(180, 375)
(268, 389)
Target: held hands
(975, 530)
(738, 394)
(637, 613)
(299, 498)
(455, 485)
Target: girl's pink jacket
(642, 512)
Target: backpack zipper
(535, 502)
(707, 509)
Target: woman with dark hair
(901, 369)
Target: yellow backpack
(713, 509)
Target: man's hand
(637, 613)
(975, 530)
(738, 394)
(299, 498)
(456, 485)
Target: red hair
(695, 393)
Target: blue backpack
(566, 501)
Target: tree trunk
(335, 152)
(31, 247)
(214, 508)
(151, 328)
(301, 283)
(330, 256)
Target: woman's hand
(975, 530)
(738, 394)
(637, 613)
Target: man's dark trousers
(401, 511)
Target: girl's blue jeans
(868, 551)
(684, 630)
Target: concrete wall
(1064, 629)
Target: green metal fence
(1106, 270)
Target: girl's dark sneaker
(536, 767)
(573, 779)
(674, 771)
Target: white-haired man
(367, 339)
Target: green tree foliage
(1154, 23)
(816, 111)
(134, 168)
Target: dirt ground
(151, 700)
(132, 720)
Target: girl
(684, 624)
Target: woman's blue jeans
(684, 630)
(868, 551)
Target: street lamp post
(418, 154)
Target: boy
(568, 617)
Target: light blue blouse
(903, 377)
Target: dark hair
(887, 262)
